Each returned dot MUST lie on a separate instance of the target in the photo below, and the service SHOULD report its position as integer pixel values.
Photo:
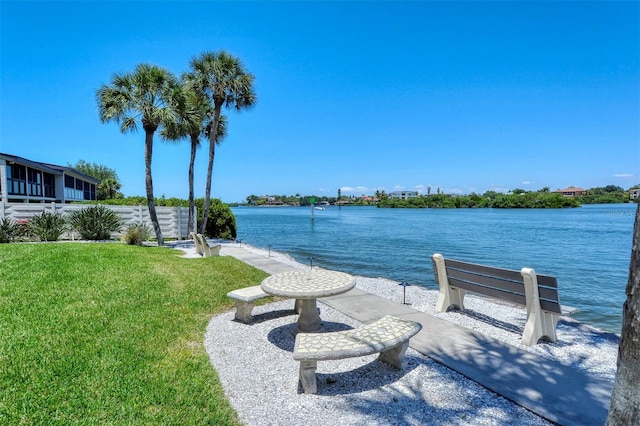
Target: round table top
(308, 284)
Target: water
(588, 249)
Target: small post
(339, 202)
(311, 262)
(313, 202)
(404, 285)
(269, 250)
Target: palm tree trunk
(212, 153)
(148, 152)
(625, 398)
(194, 144)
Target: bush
(136, 234)
(95, 223)
(9, 230)
(47, 226)
(221, 222)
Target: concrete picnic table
(306, 287)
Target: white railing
(173, 220)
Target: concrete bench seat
(538, 293)
(245, 298)
(202, 247)
(388, 336)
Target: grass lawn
(94, 333)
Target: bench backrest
(504, 284)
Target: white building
(403, 195)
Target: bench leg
(297, 306)
(243, 311)
(539, 323)
(395, 355)
(447, 295)
(308, 376)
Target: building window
(49, 185)
(73, 188)
(17, 179)
(35, 182)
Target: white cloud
(623, 175)
(497, 188)
(398, 188)
(526, 182)
(357, 189)
(452, 191)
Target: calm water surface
(588, 249)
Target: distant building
(572, 191)
(369, 199)
(27, 181)
(634, 194)
(403, 195)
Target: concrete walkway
(560, 394)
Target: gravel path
(260, 377)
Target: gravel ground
(260, 377)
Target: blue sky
(363, 96)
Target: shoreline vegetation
(517, 198)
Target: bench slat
(547, 281)
(551, 305)
(484, 270)
(488, 291)
(492, 281)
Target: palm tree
(192, 115)
(109, 189)
(146, 95)
(223, 80)
(625, 399)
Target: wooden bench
(539, 293)
(245, 299)
(388, 336)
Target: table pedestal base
(309, 320)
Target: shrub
(221, 222)
(136, 234)
(47, 226)
(95, 223)
(9, 230)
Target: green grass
(111, 334)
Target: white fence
(173, 220)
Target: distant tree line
(609, 194)
(517, 198)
